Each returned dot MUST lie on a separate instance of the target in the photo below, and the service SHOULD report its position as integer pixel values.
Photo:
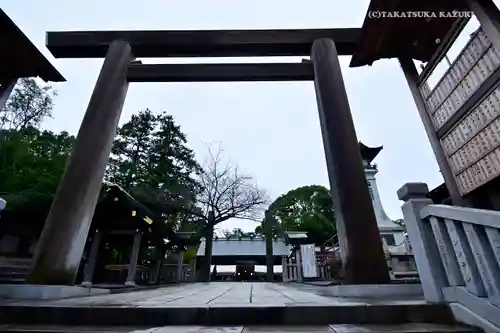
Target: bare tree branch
(227, 192)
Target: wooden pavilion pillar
(5, 91)
(88, 272)
(411, 75)
(359, 237)
(62, 241)
(134, 256)
(180, 257)
(160, 252)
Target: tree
(225, 193)
(237, 232)
(31, 161)
(31, 165)
(308, 209)
(29, 105)
(150, 159)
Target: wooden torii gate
(61, 244)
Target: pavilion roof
(413, 37)
(369, 153)
(118, 210)
(19, 57)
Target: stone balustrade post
(284, 268)
(425, 250)
(298, 261)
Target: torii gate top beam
(204, 43)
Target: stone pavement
(218, 293)
(240, 304)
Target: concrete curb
(45, 292)
(225, 315)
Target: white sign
(308, 254)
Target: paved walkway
(219, 294)
(225, 307)
(409, 328)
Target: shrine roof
(369, 153)
(19, 57)
(118, 210)
(414, 37)
(243, 246)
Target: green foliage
(31, 160)
(236, 232)
(31, 164)
(150, 159)
(28, 106)
(307, 208)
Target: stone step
(14, 268)
(405, 328)
(223, 314)
(15, 261)
(12, 280)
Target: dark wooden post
(160, 252)
(5, 91)
(61, 244)
(488, 15)
(359, 237)
(180, 257)
(268, 234)
(88, 272)
(134, 256)
(411, 76)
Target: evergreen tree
(151, 160)
(309, 209)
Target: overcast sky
(271, 130)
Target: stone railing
(292, 270)
(457, 252)
(170, 273)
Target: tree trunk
(209, 237)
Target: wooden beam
(208, 43)
(220, 72)
(443, 48)
(411, 75)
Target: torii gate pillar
(359, 237)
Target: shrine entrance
(61, 245)
(120, 49)
(243, 253)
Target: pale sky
(271, 130)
